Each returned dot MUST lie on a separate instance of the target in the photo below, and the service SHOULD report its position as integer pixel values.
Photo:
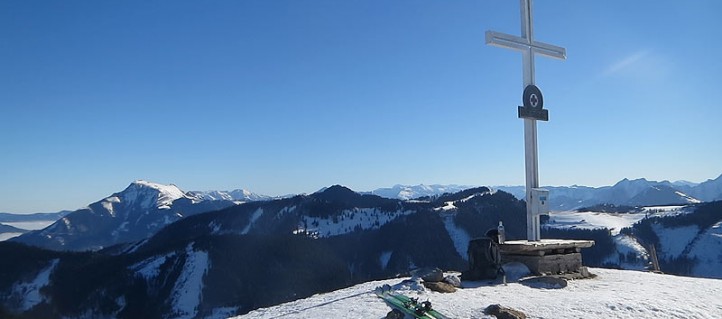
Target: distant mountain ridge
(637, 192)
(143, 208)
(247, 256)
(239, 195)
(406, 192)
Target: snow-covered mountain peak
(406, 192)
(151, 195)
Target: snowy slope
(186, 296)
(135, 213)
(613, 294)
(630, 254)
(612, 221)
(708, 250)
(147, 194)
(25, 295)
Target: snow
(187, 291)
(254, 217)
(29, 292)
(688, 198)
(613, 294)
(459, 237)
(152, 195)
(238, 195)
(447, 207)
(612, 221)
(67, 223)
(593, 220)
(108, 204)
(628, 246)
(673, 241)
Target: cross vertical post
(529, 48)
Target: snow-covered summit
(612, 294)
(135, 213)
(151, 195)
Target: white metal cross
(528, 47)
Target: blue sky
(290, 96)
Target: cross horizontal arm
(517, 43)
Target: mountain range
(133, 214)
(246, 256)
(637, 192)
(144, 207)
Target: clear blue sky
(290, 96)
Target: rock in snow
(612, 294)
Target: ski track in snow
(188, 288)
(613, 294)
(458, 236)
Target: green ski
(407, 305)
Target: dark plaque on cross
(533, 107)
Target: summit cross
(529, 48)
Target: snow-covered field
(613, 221)
(613, 294)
